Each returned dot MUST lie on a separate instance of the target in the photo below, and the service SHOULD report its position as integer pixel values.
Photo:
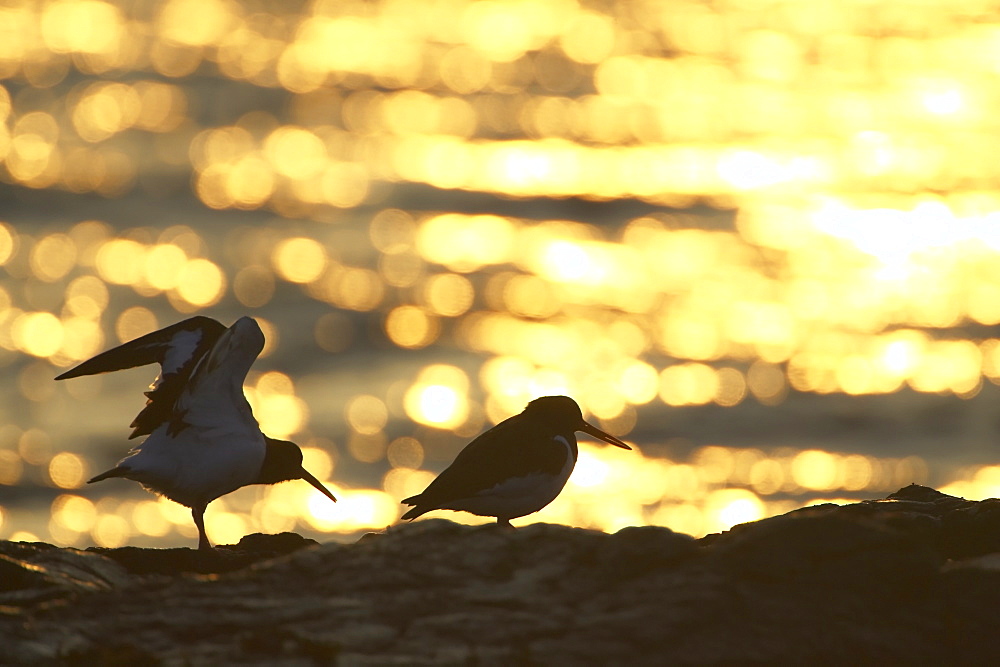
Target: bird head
(563, 414)
(283, 462)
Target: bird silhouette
(517, 467)
(202, 439)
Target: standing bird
(203, 439)
(517, 467)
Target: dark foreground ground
(912, 579)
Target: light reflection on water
(772, 203)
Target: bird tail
(414, 512)
(114, 472)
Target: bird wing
(513, 448)
(213, 396)
(177, 349)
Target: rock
(224, 558)
(912, 577)
(31, 573)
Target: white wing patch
(180, 350)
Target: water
(751, 262)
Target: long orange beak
(601, 435)
(318, 484)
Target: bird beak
(601, 435)
(318, 484)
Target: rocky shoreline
(913, 578)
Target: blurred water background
(760, 239)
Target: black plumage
(515, 468)
(179, 350)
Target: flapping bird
(517, 467)
(202, 439)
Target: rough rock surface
(913, 578)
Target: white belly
(196, 466)
(518, 496)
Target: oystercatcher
(203, 441)
(517, 467)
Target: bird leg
(198, 513)
(504, 524)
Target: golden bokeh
(67, 471)
(278, 410)
(253, 286)
(134, 322)
(74, 512)
(11, 467)
(149, 520)
(201, 283)
(405, 452)
(448, 294)
(411, 327)
(299, 260)
(317, 461)
(367, 414)
(669, 209)
(438, 397)
(39, 334)
(110, 531)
